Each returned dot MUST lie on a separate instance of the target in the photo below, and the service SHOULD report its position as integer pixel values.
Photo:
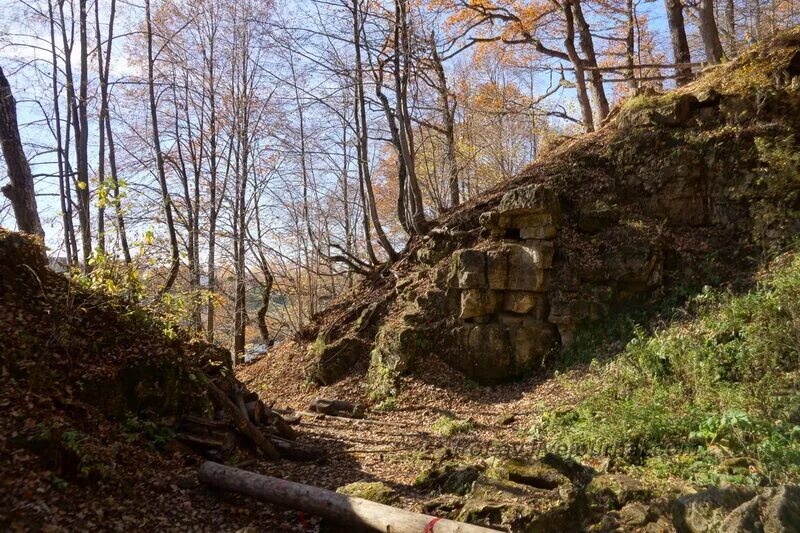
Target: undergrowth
(448, 426)
(711, 398)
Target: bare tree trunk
(709, 31)
(101, 134)
(82, 141)
(415, 205)
(587, 45)
(630, 45)
(65, 197)
(577, 62)
(112, 154)
(210, 60)
(394, 133)
(449, 120)
(680, 45)
(162, 176)
(20, 191)
(370, 206)
(730, 22)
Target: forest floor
(437, 412)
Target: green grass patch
(448, 426)
(712, 398)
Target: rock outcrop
(683, 188)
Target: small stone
(634, 514)
(505, 419)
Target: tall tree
(680, 45)
(161, 174)
(709, 31)
(20, 191)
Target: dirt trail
(396, 453)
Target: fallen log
(357, 421)
(242, 423)
(256, 412)
(341, 509)
(288, 415)
(338, 407)
(295, 451)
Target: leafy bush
(723, 383)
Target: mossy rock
(396, 346)
(520, 508)
(613, 491)
(450, 477)
(533, 473)
(374, 491)
(335, 360)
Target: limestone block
(521, 301)
(544, 231)
(512, 320)
(490, 353)
(469, 269)
(543, 251)
(532, 342)
(525, 272)
(535, 226)
(477, 302)
(529, 200)
(497, 268)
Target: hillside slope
(106, 411)
(629, 301)
(676, 191)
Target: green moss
(374, 491)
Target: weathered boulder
(449, 477)
(519, 508)
(775, 509)
(532, 342)
(635, 266)
(335, 360)
(529, 200)
(536, 473)
(613, 491)
(396, 346)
